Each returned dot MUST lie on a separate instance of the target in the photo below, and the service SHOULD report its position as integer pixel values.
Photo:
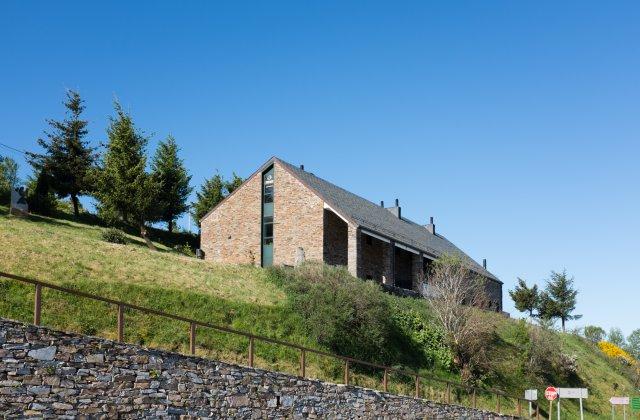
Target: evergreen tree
(210, 194)
(68, 158)
(233, 184)
(526, 299)
(172, 179)
(125, 188)
(560, 298)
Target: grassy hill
(73, 254)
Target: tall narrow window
(267, 218)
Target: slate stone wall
(52, 374)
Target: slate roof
(379, 219)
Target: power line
(15, 150)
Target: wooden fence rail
(193, 323)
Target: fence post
(385, 381)
(448, 393)
(192, 338)
(120, 322)
(250, 351)
(417, 386)
(346, 372)
(498, 403)
(519, 408)
(37, 305)
(303, 362)
(475, 402)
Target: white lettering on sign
(573, 392)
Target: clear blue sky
(515, 124)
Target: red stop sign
(551, 393)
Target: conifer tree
(526, 299)
(233, 184)
(125, 187)
(172, 179)
(211, 193)
(561, 298)
(68, 159)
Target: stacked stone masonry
(46, 373)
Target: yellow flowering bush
(616, 352)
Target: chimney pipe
(397, 203)
(431, 227)
(484, 263)
(302, 167)
(431, 219)
(381, 203)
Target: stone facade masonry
(231, 232)
(298, 220)
(46, 373)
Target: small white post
(558, 406)
(581, 413)
(624, 412)
(530, 410)
(613, 412)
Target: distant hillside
(264, 302)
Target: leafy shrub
(617, 353)
(429, 338)
(184, 249)
(115, 236)
(349, 316)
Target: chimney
(484, 263)
(302, 167)
(396, 210)
(397, 203)
(381, 203)
(431, 227)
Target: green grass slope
(73, 254)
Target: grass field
(73, 254)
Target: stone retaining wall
(50, 373)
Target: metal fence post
(37, 305)
(192, 338)
(303, 362)
(417, 386)
(250, 351)
(346, 372)
(121, 323)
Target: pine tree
(562, 298)
(233, 184)
(172, 179)
(526, 299)
(125, 188)
(210, 194)
(68, 159)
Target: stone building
(283, 214)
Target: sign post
(623, 401)
(531, 395)
(551, 394)
(578, 393)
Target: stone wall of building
(298, 217)
(374, 255)
(49, 373)
(231, 232)
(335, 239)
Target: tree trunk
(170, 225)
(563, 325)
(143, 233)
(74, 200)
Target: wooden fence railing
(193, 324)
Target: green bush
(115, 236)
(347, 315)
(184, 249)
